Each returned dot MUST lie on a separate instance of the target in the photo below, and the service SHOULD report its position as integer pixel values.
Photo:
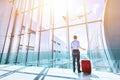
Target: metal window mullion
(31, 16)
(21, 29)
(68, 34)
(74, 25)
(41, 14)
(12, 34)
(84, 1)
(52, 28)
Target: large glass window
(45, 54)
(46, 15)
(59, 7)
(41, 32)
(97, 52)
(60, 48)
(76, 12)
(94, 9)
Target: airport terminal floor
(14, 72)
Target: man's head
(75, 37)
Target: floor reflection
(87, 76)
(8, 72)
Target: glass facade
(39, 32)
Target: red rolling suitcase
(86, 66)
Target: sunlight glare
(59, 7)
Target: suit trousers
(76, 55)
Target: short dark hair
(75, 37)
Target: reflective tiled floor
(8, 72)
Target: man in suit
(75, 46)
